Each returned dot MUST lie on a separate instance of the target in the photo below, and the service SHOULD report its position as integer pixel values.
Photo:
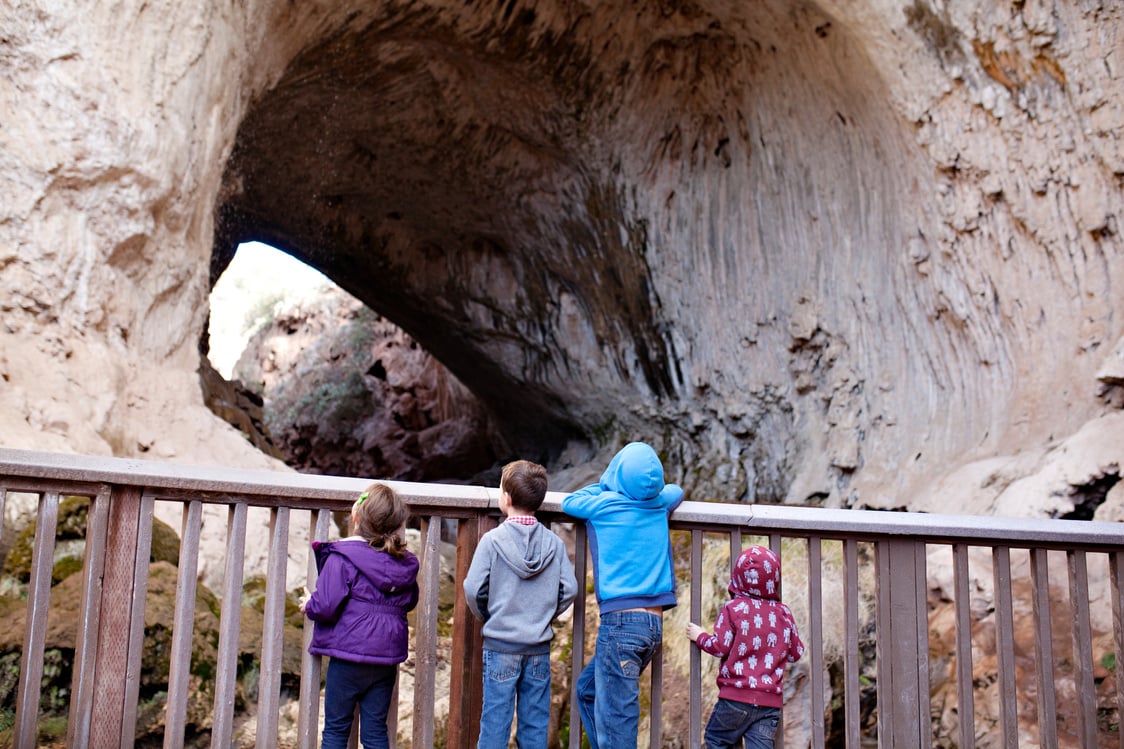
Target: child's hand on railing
(694, 630)
(304, 599)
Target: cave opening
(599, 221)
(327, 385)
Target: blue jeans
(609, 685)
(367, 685)
(731, 723)
(508, 678)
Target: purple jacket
(360, 604)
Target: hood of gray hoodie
(522, 548)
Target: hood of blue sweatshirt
(635, 471)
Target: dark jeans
(609, 685)
(511, 679)
(367, 685)
(733, 723)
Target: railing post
(86, 638)
(903, 646)
(116, 675)
(466, 678)
(425, 650)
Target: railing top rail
(762, 519)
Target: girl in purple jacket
(366, 584)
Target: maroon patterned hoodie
(755, 635)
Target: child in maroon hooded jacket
(366, 584)
(755, 636)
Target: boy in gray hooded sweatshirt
(520, 579)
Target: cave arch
(636, 220)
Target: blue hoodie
(626, 516)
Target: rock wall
(822, 251)
(347, 393)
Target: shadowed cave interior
(526, 196)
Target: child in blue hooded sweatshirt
(626, 516)
(366, 584)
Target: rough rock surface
(819, 251)
(347, 393)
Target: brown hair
(379, 513)
(525, 483)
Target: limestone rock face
(347, 393)
(824, 251)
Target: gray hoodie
(520, 579)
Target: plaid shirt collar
(521, 519)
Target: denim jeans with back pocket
(733, 725)
(515, 683)
(609, 685)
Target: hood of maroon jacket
(757, 573)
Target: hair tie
(362, 496)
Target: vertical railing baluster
(1082, 648)
(89, 612)
(656, 712)
(577, 641)
(183, 626)
(815, 639)
(775, 543)
(1043, 649)
(852, 662)
(735, 547)
(695, 662)
(35, 622)
(1005, 646)
(136, 621)
(392, 716)
(230, 622)
(309, 714)
(885, 674)
(273, 629)
(425, 656)
(964, 696)
(921, 618)
(1116, 577)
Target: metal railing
(856, 555)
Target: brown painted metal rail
(868, 677)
